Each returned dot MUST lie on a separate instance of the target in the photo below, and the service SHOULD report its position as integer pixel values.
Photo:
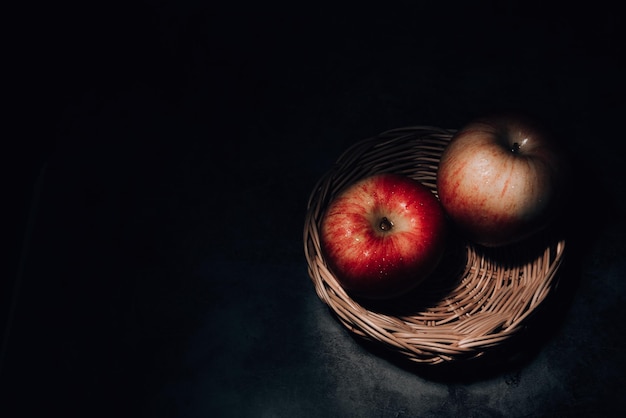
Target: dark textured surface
(163, 273)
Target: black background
(159, 156)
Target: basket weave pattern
(479, 297)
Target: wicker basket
(476, 300)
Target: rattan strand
(462, 311)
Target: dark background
(159, 156)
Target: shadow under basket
(478, 298)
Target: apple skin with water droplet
(383, 236)
(501, 179)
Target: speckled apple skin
(377, 264)
(497, 196)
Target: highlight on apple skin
(500, 180)
(383, 236)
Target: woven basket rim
(478, 299)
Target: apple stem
(385, 224)
(515, 147)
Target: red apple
(383, 235)
(500, 179)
